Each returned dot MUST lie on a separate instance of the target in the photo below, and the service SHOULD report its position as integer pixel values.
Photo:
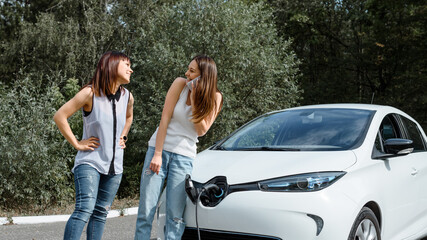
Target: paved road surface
(115, 228)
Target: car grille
(206, 234)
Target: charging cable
(197, 221)
(206, 188)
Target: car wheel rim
(366, 231)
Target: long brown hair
(206, 89)
(103, 80)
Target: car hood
(248, 166)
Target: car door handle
(414, 172)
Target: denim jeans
(174, 168)
(94, 194)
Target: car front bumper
(321, 215)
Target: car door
(400, 205)
(418, 160)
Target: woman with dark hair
(190, 109)
(107, 110)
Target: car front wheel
(366, 226)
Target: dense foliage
(35, 159)
(47, 56)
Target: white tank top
(106, 122)
(181, 135)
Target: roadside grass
(64, 209)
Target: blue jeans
(174, 168)
(94, 194)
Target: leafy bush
(34, 154)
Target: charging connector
(207, 188)
(209, 194)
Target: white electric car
(322, 172)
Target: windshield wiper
(265, 148)
(219, 148)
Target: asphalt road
(115, 228)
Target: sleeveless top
(105, 122)
(181, 136)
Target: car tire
(366, 226)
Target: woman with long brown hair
(107, 109)
(190, 108)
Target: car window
(378, 143)
(304, 130)
(388, 129)
(414, 134)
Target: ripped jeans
(174, 168)
(94, 194)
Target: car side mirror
(395, 147)
(398, 146)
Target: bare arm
(171, 99)
(81, 99)
(129, 119)
(203, 126)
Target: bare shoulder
(131, 98)
(180, 81)
(87, 91)
(85, 95)
(218, 96)
(178, 84)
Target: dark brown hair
(206, 89)
(103, 80)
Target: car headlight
(306, 182)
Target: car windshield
(301, 130)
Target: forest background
(270, 54)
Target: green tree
(395, 54)
(62, 42)
(13, 12)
